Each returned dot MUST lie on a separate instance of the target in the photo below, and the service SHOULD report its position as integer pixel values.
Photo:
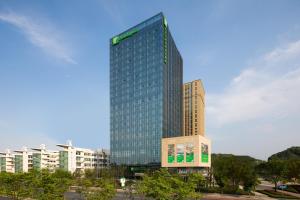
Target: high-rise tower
(145, 92)
(193, 108)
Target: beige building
(193, 108)
(186, 151)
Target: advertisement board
(171, 153)
(180, 153)
(204, 153)
(189, 152)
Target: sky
(54, 69)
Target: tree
(273, 170)
(161, 185)
(232, 171)
(105, 190)
(183, 190)
(14, 186)
(35, 184)
(249, 178)
(197, 179)
(292, 170)
(156, 186)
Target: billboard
(171, 153)
(204, 153)
(189, 152)
(180, 153)
(186, 151)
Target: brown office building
(193, 108)
(191, 151)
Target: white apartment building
(7, 163)
(69, 158)
(23, 160)
(45, 159)
(79, 159)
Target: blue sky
(54, 69)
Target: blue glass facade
(145, 92)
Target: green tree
(292, 170)
(197, 180)
(35, 184)
(183, 190)
(273, 171)
(105, 190)
(161, 185)
(249, 178)
(14, 186)
(156, 186)
(232, 171)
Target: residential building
(23, 160)
(69, 158)
(79, 159)
(145, 92)
(7, 162)
(193, 108)
(43, 158)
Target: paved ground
(124, 196)
(235, 197)
(265, 185)
(4, 198)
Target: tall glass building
(145, 92)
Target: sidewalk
(216, 196)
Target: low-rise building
(79, 159)
(45, 159)
(7, 162)
(70, 158)
(23, 160)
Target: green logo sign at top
(165, 22)
(165, 40)
(123, 36)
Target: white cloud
(269, 88)
(41, 34)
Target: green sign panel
(171, 159)
(204, 153)
(123, 36)
(180, 158)
(204, 158)
(171, 153)
(190, 157)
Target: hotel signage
(123, 36)
(165, 27)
